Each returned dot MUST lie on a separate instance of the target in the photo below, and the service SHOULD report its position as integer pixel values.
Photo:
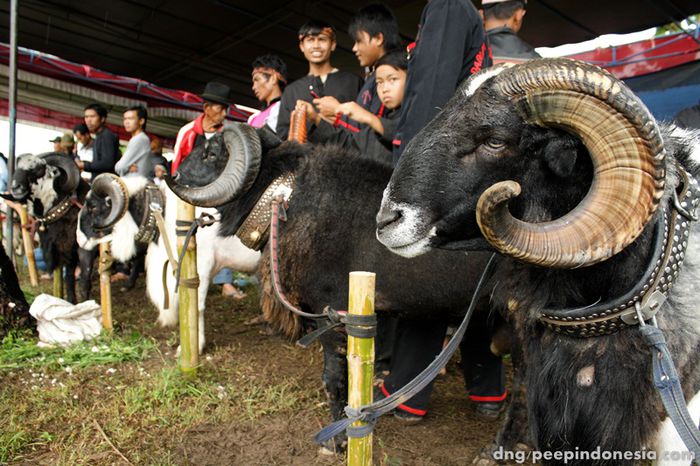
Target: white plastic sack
(62, 323)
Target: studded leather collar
(253, 231)
(646, 298)
(57, 212)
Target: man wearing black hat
(56, 143)
(195, 133)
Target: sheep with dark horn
(329, 231)
(125, 208)
(559, 167)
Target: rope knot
(282, 206)
(205, 220)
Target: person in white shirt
(85, 146)
(137, 157)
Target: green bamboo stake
(58, 282)
(189, 337)
(360, 363)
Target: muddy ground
(282, 434)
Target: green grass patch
(21, 352)
(13, 438)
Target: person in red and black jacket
(451, 46)
(217, 99)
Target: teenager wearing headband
(317, 42)
(269, 80)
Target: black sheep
(329, 233)
(51, 186)
(560, 168)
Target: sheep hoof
(485, 456)
(179, 348)
(479, 461)
(323, 451)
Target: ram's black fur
(480, 139)
(329, 233)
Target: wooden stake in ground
(28, 245)
(189, 282)
(58, 282)
(104, 268)
(360, 364)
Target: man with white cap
(502, 21)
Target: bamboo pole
(58, 282)
(360, 364)
(106, 285)
(28, 245)
(189, 308)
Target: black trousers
(419, 342)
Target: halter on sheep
(531, 126)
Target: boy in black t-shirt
(317, 43)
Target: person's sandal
(407, 418)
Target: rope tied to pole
(105, 262)
(370, 413)
(188, 229)
(355, 325)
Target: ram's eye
(495, 144)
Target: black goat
(51, 186)
(598, 180)
(329, 233)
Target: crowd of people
(95, 148)
(402, 89)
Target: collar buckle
(645, 310)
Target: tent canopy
(182, 44)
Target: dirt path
(269, 407)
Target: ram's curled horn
(242, 166)
(627, 153)
(70, 177)
(110, 186)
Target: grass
(64, 406)
(22, 352)
(114, 387)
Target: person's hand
(159, 171)
(326, 107)
(133, 168)
(349, 109)
(80, 164)
(310, 111)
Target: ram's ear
(268, 138)
(557, 149)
